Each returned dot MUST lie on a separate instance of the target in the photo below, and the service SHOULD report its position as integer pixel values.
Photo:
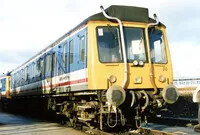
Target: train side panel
(60, 69)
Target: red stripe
(67, 83)
(61, 84)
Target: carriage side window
(65, 55)
(26, 74)
(54, 63)
(71, 51)
(49, 63)
(29, 74)
(21, 77)
(23, 74)
(82, 48)
(42, 66)
(0, 85)
(39, 67)
(17, 79)
(34, 69)
(30, 71)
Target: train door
(71, 55)
(82, 60)
(53, 71)
(82, 50)
(53, 64)
(65, 57)
(48, 74)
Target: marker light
(141, 63)
(112, 78)
(138, 80)
(162, 78)
(135, 62)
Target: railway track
(182, 122)
(140, 131)
(159, 126)
(156, 126)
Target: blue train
(113, 69)
(59, 65)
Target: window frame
(65, 55)
(82, 47)
(165, 48)
(71, 51)
(121, 61)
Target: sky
(28, 26)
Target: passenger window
(54, 63)
(65, 55)
(0, 84)
(42, 66)
(34, 69)
(26, 74)
(39, 67)
(49, 63)
(82, 48)
(30, 71)
(21, 77)
(71, 51)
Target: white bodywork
(76, 80)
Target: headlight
(162, 78)
(138, 80)
(112, 78)
(135, 62)
(141, 63)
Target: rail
(140, 131)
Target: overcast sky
(28, 26)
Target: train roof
(124, 13)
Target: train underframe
(92, 108)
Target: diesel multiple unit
(113, 69)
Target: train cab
(129, 50)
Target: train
(113, 69)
